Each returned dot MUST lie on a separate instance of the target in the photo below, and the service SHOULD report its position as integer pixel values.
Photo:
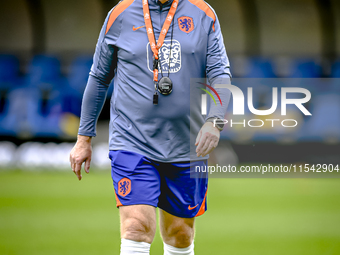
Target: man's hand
(207, 139)
(81, 152)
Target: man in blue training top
(153, 49)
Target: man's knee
(137, 230)
(138, 225)
(179, 234)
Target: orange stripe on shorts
(202, 208)
(118, 203)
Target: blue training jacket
(165, 132)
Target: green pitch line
(54, 213)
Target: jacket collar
(165, 4)
(159, 1)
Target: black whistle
(155, 98)
(155, 64)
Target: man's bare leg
(138, 227)
(177, 233)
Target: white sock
(170, 250)
(129, 247)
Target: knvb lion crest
(170, 57)
(186, 24)
(124, 187)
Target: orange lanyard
(151, 35)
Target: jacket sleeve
(217, 70)
(101, 74)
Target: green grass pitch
(53, 213)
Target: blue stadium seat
(79, 73)
(325, 121)
(9, 69)
(43, 72)
(305, 68)
(76, 79)
(246, 67)
(22, 107)
(25, 117)
(336, 69)
(260, 68)
(35, 107)
(9, 79)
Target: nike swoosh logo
(136, 28)
(192, 208)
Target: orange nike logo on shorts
(136, 28)
(192, 208)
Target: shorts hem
(181, 216)
(161, 159)
(137, 203)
